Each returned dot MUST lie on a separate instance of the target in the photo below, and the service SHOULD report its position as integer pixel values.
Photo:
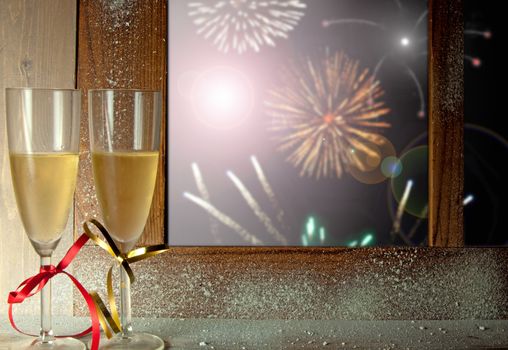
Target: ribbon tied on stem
(34, 285)
(110, 321)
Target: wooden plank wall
(122, 44)
(37, 49)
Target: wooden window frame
(195, 271)
(102, 45)
(445, 123)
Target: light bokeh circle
(391, 167)
(372, 172)
(222, 97)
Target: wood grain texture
(312, 283)
(446, 123)
(122, 44)
(37, 49)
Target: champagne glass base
(137, 341)
(57, 344)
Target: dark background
(486, 126)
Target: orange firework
(327, 116)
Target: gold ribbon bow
(110, 321)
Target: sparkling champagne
(124, 183)
(44, 186)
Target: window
(298, 123)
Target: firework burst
(326, 115)
(476, 61)
(402, 48)
(240, 25)
(263, 217)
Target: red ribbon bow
(34, 285)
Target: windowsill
(280, 334)
(309, 283)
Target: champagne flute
(124, 141)
(43, 137)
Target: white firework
(240, 25)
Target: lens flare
(373, 172)
(222, 97)
(391, 167)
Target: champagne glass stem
(125, 303)
(46, 334)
